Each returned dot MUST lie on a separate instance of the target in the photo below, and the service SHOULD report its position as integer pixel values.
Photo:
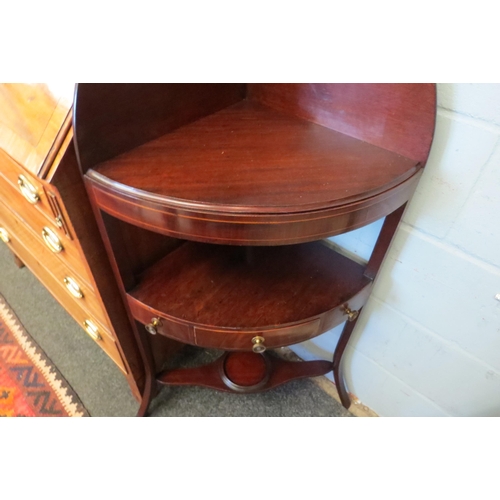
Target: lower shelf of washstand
(224, 296)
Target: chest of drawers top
(34, 120)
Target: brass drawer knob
(258, 344)
(151, 327)
(351, 315)
(27, 189)
(92, 330)
(73, 287)
(4, 235)
(52, 240)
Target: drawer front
(73, 285)
(27, 194)
(245, 340)
(49, 237)
(227, 339)
(89, 321)
(168, 327)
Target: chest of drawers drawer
(52, 240)
(73, 285)
(28, 194)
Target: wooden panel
(55, 266)
(31, 234)
(32, 115)
(113, 118)
(39, 269)
(34, 223)
(394, 116)
(242, 340)
(169, 327)
(9, 188)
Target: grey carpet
(103, 389)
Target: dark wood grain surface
(111, 118)
(262, 168)
(237, 287)
(398, 117)
(235, 378)
(245, 229)
(249, 158)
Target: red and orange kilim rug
(30, 385)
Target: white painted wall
(428, 341)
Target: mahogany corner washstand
(214, 201)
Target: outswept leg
(337, 359)
(150, 383)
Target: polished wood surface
(384, 239)
(32, 115)
(54, 266)
(284, 164)
(263, 172)
(337, 360)
(241, 289)
(9, 186)
(246, 229)
(113, 118)
(36, 142)
(249, 158)
(394, 116)
(217, 375)
(25, 249)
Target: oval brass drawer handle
(92, 330)
(258, 344)
(151, 327)
(52, 240)
(73, 287)
(4, 235)
(27, 189)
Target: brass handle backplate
(351, 315)
(258, 344)
(4, 235)
(51, 240)
(27, 189)
(73, 287)
(92, 330)
(151, 327)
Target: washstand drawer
(228, 339)
(86, 319)
(258, 340)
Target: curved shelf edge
(246, 229)
(194, 292)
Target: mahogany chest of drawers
(47, 222)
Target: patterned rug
(30, 385)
